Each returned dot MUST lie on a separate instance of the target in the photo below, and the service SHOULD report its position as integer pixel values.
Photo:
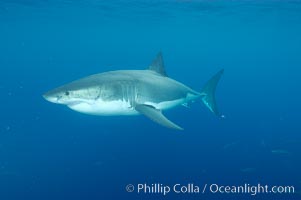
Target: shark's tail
(208, 92)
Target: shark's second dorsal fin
(158, 65)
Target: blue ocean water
(50, 152)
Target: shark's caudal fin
(209, 92)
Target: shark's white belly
(119, 107)
(105, 108)
(164, 105)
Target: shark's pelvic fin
(158, 65)
(156, 115)
(209, 92)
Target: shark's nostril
(58, 98)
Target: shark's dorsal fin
(156, 115)
(158, 65)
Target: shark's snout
(50, 97)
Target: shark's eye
(67, 93)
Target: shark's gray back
(139, 85)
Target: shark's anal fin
(158, 65)
(156, 115)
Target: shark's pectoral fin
(156, 115)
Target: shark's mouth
(74, 103)
(80, 102)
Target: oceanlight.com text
(192, 188)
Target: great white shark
(133, 92)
